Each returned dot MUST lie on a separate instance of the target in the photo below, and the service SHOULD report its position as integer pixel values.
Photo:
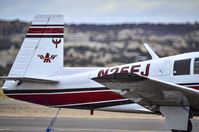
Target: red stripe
(195, 87)
(46, 30)
(68, 98)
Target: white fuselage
(76, 89)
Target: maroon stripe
(47, 25)
(195, 87)
(46, 30)
(68, 98)
(41, 99)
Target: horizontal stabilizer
(28, 79)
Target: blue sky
(104, 11)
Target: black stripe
(188, 84)
(53, 90)
(98, 105)
(44, 36)
(49, 25)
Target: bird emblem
(47, 57)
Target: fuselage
(76, 89)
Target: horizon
(104, 11)
(152, 23)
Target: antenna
(151, 52)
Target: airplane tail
(41, 53)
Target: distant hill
(105, 45)
(155, 29)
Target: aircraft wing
(149, 91)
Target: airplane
(167, 85)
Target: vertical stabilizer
(41, 53)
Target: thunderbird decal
(47, 58)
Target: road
(39, 124)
